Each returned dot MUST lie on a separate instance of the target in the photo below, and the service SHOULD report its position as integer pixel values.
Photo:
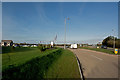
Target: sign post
(116, 51)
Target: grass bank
(65, 67)
(22, 55)
(35, 65)
(100, 50)
(33, 69)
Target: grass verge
(34, 65)
(100, 50)
(65, 67)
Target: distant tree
(105, 41)
(99, 44)
(118, 43)
(41, 47)
(109, 41)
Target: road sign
(116, 51)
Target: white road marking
(96, 57)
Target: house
(16, 44)
(33, 45)
(25, 45)
(85, 45)
(6, 43)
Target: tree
(109, 41)
(105, 41)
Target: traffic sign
(116, 51)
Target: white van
(73, 46)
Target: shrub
(6, 49)
(41, 47)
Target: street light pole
(65, 35)
(114, 39)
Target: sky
(60, 0)
(89, 22)
(0, 21)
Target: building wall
(2, 43)
(6, 43)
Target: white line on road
(96, 57)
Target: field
(100, 50)
(30, 63)
(20, 56)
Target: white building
(52, 43)
(33, 45)
(6, 43)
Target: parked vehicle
(73, 46)
(104, 47)
(97, 47)
(67, 46)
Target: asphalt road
(97, 64)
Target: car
(67, 46)
(104, 46)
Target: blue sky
(90, 22)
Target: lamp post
(114, 39)
(65, 33)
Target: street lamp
(65, 33)
(114, 39)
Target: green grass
(31, 70)
(32, 64)
(21, 55)
(11, 49)
(100, 50)
(64, 67)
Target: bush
(47, 46)
(7, 49)
(41, 47)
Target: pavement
(97, 64)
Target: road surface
(97, 64)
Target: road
(97, 64)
